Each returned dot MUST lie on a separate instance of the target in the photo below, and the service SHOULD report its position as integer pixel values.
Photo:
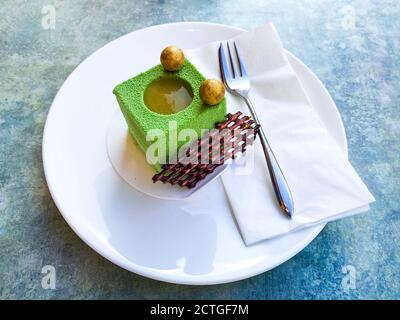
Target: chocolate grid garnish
(226, 141)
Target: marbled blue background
(353, 46)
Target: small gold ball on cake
(172, 58)
(212, 91)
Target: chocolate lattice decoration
(226, 141)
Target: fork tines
(233, 69)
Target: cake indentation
(168, 95)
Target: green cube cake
(140, 119)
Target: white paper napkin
(324, 185)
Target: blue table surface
(353, 47)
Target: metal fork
(238, 83)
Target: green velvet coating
(141, 120)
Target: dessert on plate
(173, 96)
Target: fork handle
(279, 183)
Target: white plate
(192, 241)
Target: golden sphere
(212, 91)
(172, 58)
